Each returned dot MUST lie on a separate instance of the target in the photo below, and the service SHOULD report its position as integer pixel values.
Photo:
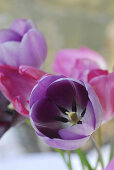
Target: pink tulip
(16, 84)
(77, 63)
(104, 88)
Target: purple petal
(80, 130)
(9, 35)
(33, 49)
(98, 111)
(21, 26)
(81, 94)
(43, 115)
(62, 92)
(9, 52)
(66, 144)
(40, 89)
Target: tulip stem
(69, 160)
(99, 136)
(98, 150)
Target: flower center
(73, 117)
(70, 116)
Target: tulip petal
(39, 91)
(66, 144)
(31, 71)
(17, 87)
(77, 63)
(9, 52)
(9, 35)
(95, 73)
(104, 88)
(33, 49)
(21, 26)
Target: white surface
(48, 161)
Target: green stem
(98, 150)
(99, 137)
(69, 160)
(66, 161)
(83, 159)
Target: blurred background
(65, 24)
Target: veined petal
(17, 87)
(95, 73)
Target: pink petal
(95, 73)
(31, 71)
(77, 63)
(104, 88)
(17, 87)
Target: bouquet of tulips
(64, 108)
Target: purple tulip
(22, 44)
(64, 112)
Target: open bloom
(64, 112)
(22, 44)
(77, 63)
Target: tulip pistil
(73, 117)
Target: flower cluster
(63, 109)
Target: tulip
(77, 63)
(16, 85)
(110, 166)
(22, 44)
(86, 65)
(64, 112)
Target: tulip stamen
(74, 108)
(62, 109)
(83, 113)
(61, 119)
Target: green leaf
(83, 159)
